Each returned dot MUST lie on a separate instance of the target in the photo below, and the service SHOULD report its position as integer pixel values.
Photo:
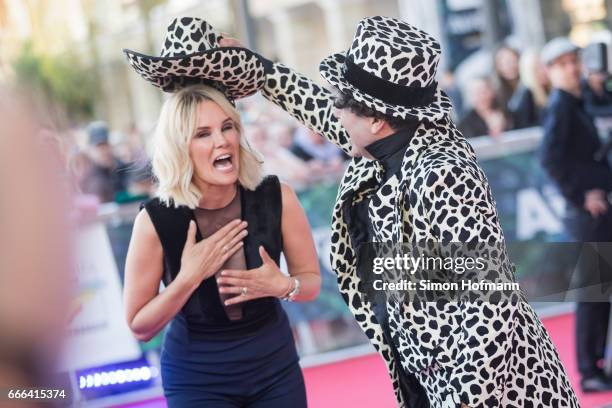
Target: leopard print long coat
(479, 354)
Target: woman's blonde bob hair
(172, 165)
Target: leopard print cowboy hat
(191, 54)
(390, 67)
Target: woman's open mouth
(224, 163)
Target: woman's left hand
(265, 281)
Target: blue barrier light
(116, 378)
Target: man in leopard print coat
(479, 354)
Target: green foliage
(58, 79)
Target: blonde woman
(214, 235)
(529, 101)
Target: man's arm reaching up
(308, 102)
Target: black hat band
(393, 94)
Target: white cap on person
(557, 47)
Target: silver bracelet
(291, 295)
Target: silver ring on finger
(225, 248)
(244, 290)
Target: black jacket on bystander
(570, 147)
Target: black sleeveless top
(204, 312)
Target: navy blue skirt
(255, 371)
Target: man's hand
(595, 202)
(227, 41)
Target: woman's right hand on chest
(201, 260)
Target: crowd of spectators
(110, 166)
(515, 94)
(512, 97)
(114, 166)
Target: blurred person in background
(136, 142)
(448, 83)
(597, 95)
(309, 145)
(135, 167)
(79, 166)
(107, 174)
(35, 254)
(281, 134)
(413, 177)
(140, 180)
(324, 158)
(507, 74)
(597, 87)
(484, 117)
(530, 99)
(277, 159)
(122, 150)
(214, 235)
(568, 153)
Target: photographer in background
(597, 87)
(107, 175)
(568, 153)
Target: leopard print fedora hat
(191, 54)
(390, 67)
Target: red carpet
(357, 383)
(363, 382)
(561, 330)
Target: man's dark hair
(343, 100)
